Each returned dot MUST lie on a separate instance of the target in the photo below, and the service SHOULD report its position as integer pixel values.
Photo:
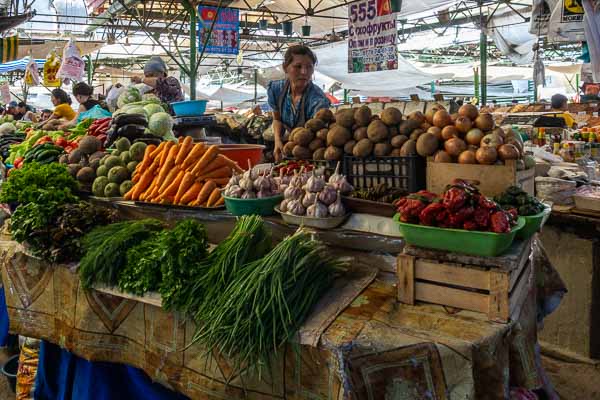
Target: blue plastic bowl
(189, 108)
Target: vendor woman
(296, 99)
(166, 88)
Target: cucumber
(47, 156)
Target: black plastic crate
(407, 173)
(327, 166)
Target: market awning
(19, 65)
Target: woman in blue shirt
(296, 99)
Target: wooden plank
(519, 294)
(515, 256)
(453, 275)
(498, 307)
(516, 274)
(151, 298)
(464, 299)
(406, 279)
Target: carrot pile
(182, 173)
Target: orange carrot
(167, 166)
(214, 197)
(180, 139)
(218, 162)
(206, 191)
(166, 152)
(186, 183)
(195, 154)
(232, 164)
(147, 160)
(169, 179)
(172, 189)
(220, 202)
(223, 172)
(167, 200)
(191, 194)
(142, 185)
(186, 147)
(158, 150)
(221, 181)
(207, 158)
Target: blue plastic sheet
(3, 319)
(64, 376)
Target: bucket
(241, 153)
(189, 108)
(9, 369)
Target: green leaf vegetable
(524, 203)
(106, 249)
(39, 183)
(267, 301)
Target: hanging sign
(372, 36)
(32, 75)
(5, 92)
(224, 37)
(51, 67)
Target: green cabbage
(160, 124)
(130, 95)
(152, 109)
(7, 128)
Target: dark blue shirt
(315, 100)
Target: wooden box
(493, 179)
(496, 286)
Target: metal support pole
(483, 62)
(346, 96)
(535, 92)
(577, 96)
(255, 86)
(193, 48)
(90, 71)
(476, 82)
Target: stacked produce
(80, 129)
(33, 137)
(99, 128)
(49, 218)
(182, 173)
(461, 206)
(143, 120)
(8, 137)
(515, 198)
(380, 193)
(310, 195)
(42, 153)
(252, 184)
(289, 167)
(83, 161)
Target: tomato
(62, 142)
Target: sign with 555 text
(224, 37)
(372, 36)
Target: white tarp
(333, 60)
(511, 36)
(231, 96)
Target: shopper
(63, 112)
(296, 99)
(83, 94)
(46, 114)
(25, 113)
(11, 109)
(166, 88)
(560, 102)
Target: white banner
(372, 36)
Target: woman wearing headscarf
(296, 99)
(166, 88)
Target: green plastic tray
(264, 206)
(486, 244)
(532, 224)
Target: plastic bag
(95, 112)
(113, 96)
(72, 66)
(28, 366)
(32, 75)
(51, 67)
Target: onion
(508, 152)
(491, 140)
(486, 155)
(463, 124)
(455, 146)
(449, 132)
(442, 119)
(469, 111)
(467, 157)
(435, 131)
(442, 157)
(474, 136)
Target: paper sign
(5, 92)
(372, 36)
(224, 37)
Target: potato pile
(353, 132)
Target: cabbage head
(152, 109)
(130, 95)
(7, 128)
(160, 124)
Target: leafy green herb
(38, 183)
(267, 301)
(106, 249)
(515, 197)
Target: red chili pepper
(428, 216)
(499, 222)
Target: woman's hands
(278, 134)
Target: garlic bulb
(283, 206)
(333, 179)
(309, 199)
(317, 210)
(315, 183)
(337, 208)
(234, 181)
(296, 180)
(295, 207)
(234, 191)
(293, 192)
(252, 172)
(328, 195)
(247, 184)
(343, 186)
(249, 195)
(264, 193)
(262, 183)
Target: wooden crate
(496, 286)
(493, 179)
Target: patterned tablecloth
(374, 349)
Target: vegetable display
(267, 301)
(140, 120)
(380, 193)
(252, 185)
(523, 202)
(311, 195)
(33, 136)
(182, 173)
(461, 206)
(106, 247)
(45, 153)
